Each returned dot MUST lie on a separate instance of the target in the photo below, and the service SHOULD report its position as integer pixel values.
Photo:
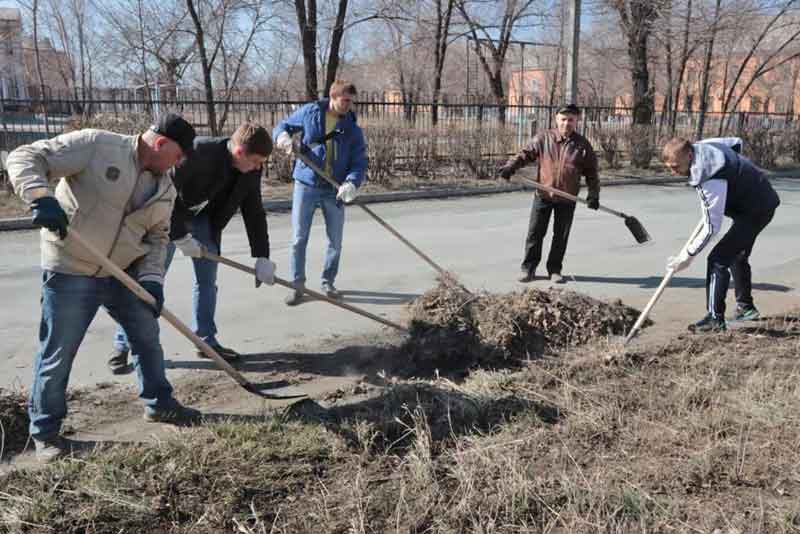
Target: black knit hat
(176, 128)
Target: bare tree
(33, 7)
(768, 61)
(636, 21)
(512, 14)
(444, 14)
(701, 120)
(210, 32)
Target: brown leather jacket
(561, 163)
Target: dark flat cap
(176, 128)
(569, 109)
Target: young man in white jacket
(727, 184)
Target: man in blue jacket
(336, 144)
(727, 184)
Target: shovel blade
(638, 231)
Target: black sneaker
(709, 323)
(747, 314)
(118, 362)
(229, 355)
(178, 415)
(527, 277)
(50, 449)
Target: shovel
(300, 153)
(661, 287)
(633, 224)
(309, 292)
(142, 293)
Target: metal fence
(23, 121)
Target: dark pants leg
(563, 214)
(537, 228)
(731, 256)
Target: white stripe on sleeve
(713, 194)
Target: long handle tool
(661, 287)
(636, 228)
(142, 293)
(309, 292)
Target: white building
(12, 61)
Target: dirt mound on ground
(453, 330)
(13, 423)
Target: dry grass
(700, 435)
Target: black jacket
(209, 184)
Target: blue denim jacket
(351, 149)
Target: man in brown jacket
(563, 155)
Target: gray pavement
(479, 238)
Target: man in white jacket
(111, 190)
(727, 184)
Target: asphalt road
(479, 238)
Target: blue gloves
(157, 290)
(47, 212)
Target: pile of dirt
(453, 330)
(13, 423)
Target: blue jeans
(204, 291)
(305, 201)
(69, 303)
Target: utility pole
(572, 37)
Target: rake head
(636, 228)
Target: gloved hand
(157, 290)
(593, 203)
(505, 172)
(47, 212)
(347, 192)
(284, 142)
(190, 246)
(679, 262)
(265, 271)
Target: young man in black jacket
(222, 176)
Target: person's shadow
(652, 282)
(341, 362)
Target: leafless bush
(382, 151)
(609, 148)
(641, 145)
(280, 166)
(762, 146)
(123, 123)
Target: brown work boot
(296, 297)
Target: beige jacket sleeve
(31, 166)
(151, 267)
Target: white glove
(265, 271)
(284, 142)
(679, 262)
(190, 246)
(347, 192)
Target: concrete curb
(24, 223)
